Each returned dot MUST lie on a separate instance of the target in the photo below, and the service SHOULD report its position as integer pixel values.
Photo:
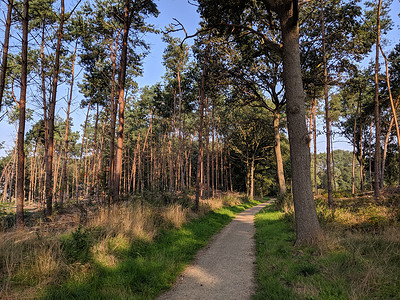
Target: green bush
(77, 245)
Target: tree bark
(394, 108)
(308, 229)
(121, 103)
(315, 146)
(278, 155)
(21, 128)
(52, 107)
(327, 120)
(377, 162)
(199, 186)
(5, 51)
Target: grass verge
(132, 251)
(347, 265)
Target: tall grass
(359, 258)
(112, 241)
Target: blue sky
(153, 68)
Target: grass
(133, 251)
(359, 258)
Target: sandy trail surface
(225, 268)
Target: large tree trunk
(52, 107)
(278, 155)
(308, 229)
(5, 51)
(377, 163)
(21, 128)
(121, 104)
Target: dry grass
(38, 257)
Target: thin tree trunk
(200, 135)
(370, 155)
(361, 160)
(81, 154)
(353, 167)
(21, 128)
(121, 103)
(278, 155)
(394, 108)
(315, 146)
(327, 120)
(377, 164)
(5, 51)
(52, 107)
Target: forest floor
(225, 268)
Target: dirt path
(225, 268)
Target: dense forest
(217, 121)
(240, 107)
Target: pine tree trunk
(394, 109)
(5, 51)
(20, 199)
(121, 103)
(327, 119)
(278, 155)
(307, 226)
(315, 146)
(199, 186)
(377, 163)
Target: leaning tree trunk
(308, 229)
(377, 163)
(5, 51)
(393, 107)
(21, 128)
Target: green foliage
(77, 245)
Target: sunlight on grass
(349, 264)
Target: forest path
(225, 268)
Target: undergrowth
(359, 258)
(133, 250)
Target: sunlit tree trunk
(21, 128)
(5, 51)
(377, 162)
(278, 155)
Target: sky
(154, 70)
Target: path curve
(225, 268)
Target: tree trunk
(315, 146)
(52, 107)
(278, 155)
(21, 128)
(200, 136)
(393, 107)
(307, 226)
(113, 116)
(327, 120)
(64, 168)
(5, 51)
(78, 168)
(361, 160)
(377, 163)
(121, 103)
